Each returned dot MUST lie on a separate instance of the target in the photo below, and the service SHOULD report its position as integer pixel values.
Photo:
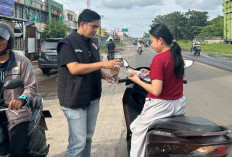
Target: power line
(73, 4)
(79, 6)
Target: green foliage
(214, 28)
(54, 29)
(183, 25)
(174, 21)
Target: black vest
(74, 91)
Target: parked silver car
(48, 55)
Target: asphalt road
(208, 94)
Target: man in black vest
(79, 82)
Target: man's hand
(111, 64)
(16, 104)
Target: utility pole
(88, 4)
(40, 15)
(49, 10)
(99, 36)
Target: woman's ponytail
(179, 62)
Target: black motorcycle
(37, 126)
(179, 136)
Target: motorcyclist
(139, 45)
(15, 66)
(195, 43)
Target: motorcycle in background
(37, 126)
(196, 48)
(140, 49)
(146, 44)
(179, 136)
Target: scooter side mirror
(12, 84)
(188, 63)
(124, 62)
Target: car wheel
(45, 71)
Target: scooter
(179, 136)
(37, 126)
(140, 49)
(146, 45)
(197, 49)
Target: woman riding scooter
(140, 47)
(165, 96)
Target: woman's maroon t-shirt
(162, 68)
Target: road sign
(124, 30)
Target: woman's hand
(133, 77)
(145, 71)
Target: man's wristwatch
(22, 100)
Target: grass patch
(206, 47)
(103, 48)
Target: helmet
(7, 33)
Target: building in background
(71, 19)
(227, 21)
(38, 11)
(28, 18)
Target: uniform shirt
(162, 68)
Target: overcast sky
(137, 15)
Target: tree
(214, 28)
(54, 29)
(183, 25)
(195, 21)
(174, 21)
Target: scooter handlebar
(123, 80)
(126, 79)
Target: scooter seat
(183, 123)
